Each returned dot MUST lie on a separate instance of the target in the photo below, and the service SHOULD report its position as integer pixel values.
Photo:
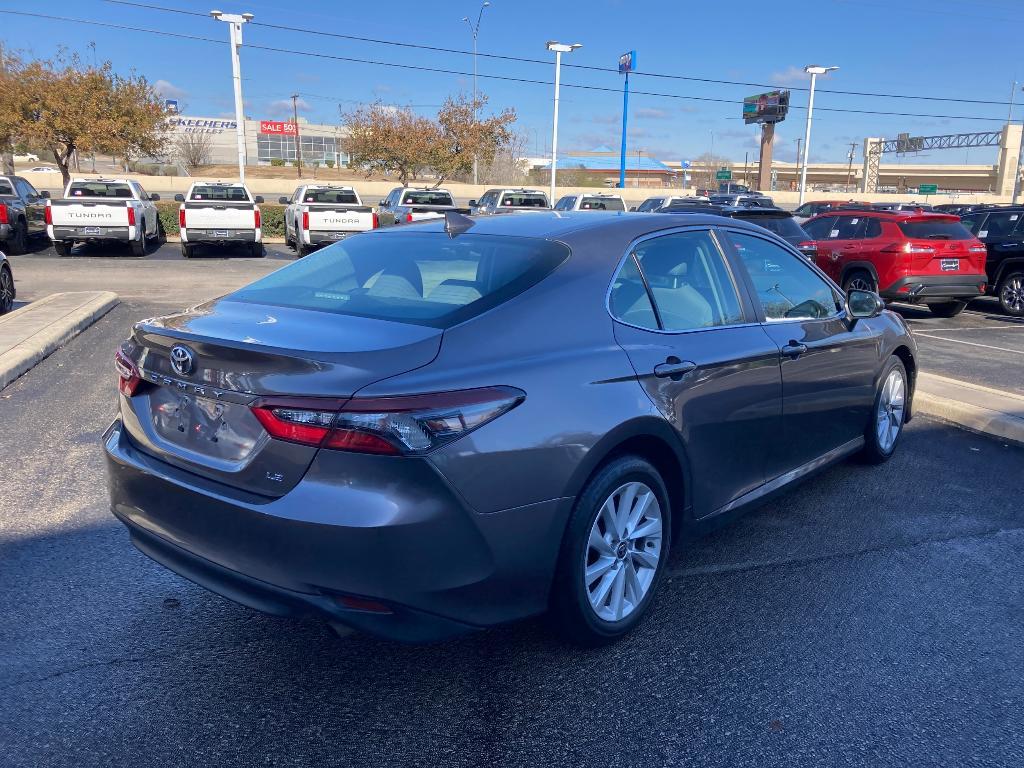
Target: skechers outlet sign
(201, 124)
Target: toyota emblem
(182, 360)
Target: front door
(828, 366)
(702, 358)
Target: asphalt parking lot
(873, 615)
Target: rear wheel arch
(910, 364)
(1006, 268)
(854, 266)
(651, 439)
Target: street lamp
(475, 32)
(235, 22)
(813, 70)
(559, 49)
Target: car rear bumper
(314, 237)
(922, 288)
(434, 567)
(220, 236)
(5, 231)
(91, 234)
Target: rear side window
(5, 188)
(601, 204)
(228, 194)
(972, 221)
(99, 189)
(422, 278)
(783, 226)
(872, 228)
(935, 230)
(427, 197)
(819, 229)
(629, 300)
(1000, 223)
(524, 200)
(689, 281)
(338, 196)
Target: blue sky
(940, 48)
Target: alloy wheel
(860, 284)
(1012, 295)
(623, 551)
(889, 416)
(6, 291)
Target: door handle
(674, 368)
(794, 349)
(849, 247)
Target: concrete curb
(52, 335)
(993, 412)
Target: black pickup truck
(22, 213)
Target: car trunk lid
(204, 368)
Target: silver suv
(498, 200)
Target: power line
(503, 78)
(501, 57)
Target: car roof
(561, 225)
(885, 214)
(994, 207)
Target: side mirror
(283, 200)
(632, 208)
(179, 198)
(154, 198)
(383, 202)
(258, 199)
(863, 305)
(45, 194)
(472, 203)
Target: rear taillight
(49, 215)
(181, 218)
(4, 219)
(977, 249)
(376, 221)
(131, 216)
(408, 218)
(908, 247)
(129, 377)
(305, 221)
(257, 217)
(405, 425)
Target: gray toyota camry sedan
(428, 430)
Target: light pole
(559, 49)
(235, 22)
(475, 32)
(813, 70)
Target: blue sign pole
(625, 115)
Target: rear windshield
(935, 230)
(427, 197)
(98, 189)
(601, 204)
(524, 200)
(423, 278)
(231, 194)
(5, 188)
(340, 196)
(784, 226)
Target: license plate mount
(220, 233)
(92, 230)
(950, 265)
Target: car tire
(138, 247)
(600, 571)
(187, 250)
(6, 290)
(1011, 294)
(888, 413)
(859, 280)
(947, 308)
(161, 233)
(62, 247)
(256, 250)
(301, 249)
(18, 243)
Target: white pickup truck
(102, 211)
(320, 213)
(219, 213)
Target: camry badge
(182, 360)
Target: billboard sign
(171, 106)
(275, 128)
(627, 62)
(768, 107)
(201, 125)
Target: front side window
(422, 278)
(786, 286)
(689, 281)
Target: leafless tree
(193, 149)
(509, 164)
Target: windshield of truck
(212, 192)
(602, 204)
(337, 196)
(99, 189)
(524, 200)
(427, 197)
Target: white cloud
(653, 114)
(284, 106)
(789, 75)
(168, 90)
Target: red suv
(908, 256)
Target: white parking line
(1010, 327)
(970, 343)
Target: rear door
(35, 205)
(828, 368)
(687, 325)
